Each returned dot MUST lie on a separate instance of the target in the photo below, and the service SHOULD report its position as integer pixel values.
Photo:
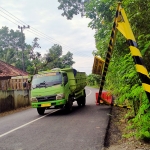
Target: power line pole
(22, 44)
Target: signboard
(98, 65)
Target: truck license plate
(45, 105)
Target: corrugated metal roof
(7, 70)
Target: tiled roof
(7, 70)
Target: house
(12, 93)
(11, 77)
(7, 71)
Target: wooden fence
(15, 83)
(12, 93)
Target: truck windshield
(46, 80)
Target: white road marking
(89, 93)
(25, 124)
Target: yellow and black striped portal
(121, 23)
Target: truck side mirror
(24, 84)
(65, 80)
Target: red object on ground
(107, 96)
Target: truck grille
(46, 98)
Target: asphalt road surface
(82, 129)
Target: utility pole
(22, 44)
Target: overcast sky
(51, 28)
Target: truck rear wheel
(69, 104)
(79, 102)
(41, 111)
(83, 101)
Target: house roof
(7, 70)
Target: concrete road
(83, 129)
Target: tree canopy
(71, 7)
(11, 52)
(121, 77)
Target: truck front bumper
(48, 104)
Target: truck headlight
(33, 99)
(59, 96)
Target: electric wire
(8, 19)
(28, 30)
(38, 33)
(44, 36)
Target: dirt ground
(117, 127)
(2, 114)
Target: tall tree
(66, 60)
(10, 39)
(53, 56)
(56, 59)
(35, 58)
(71, 7)
(11, 46)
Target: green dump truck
(58, 88)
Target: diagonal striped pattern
(140, 68)
(124, 27)
(109, 53)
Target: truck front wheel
(41, 111)
(69, 104)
